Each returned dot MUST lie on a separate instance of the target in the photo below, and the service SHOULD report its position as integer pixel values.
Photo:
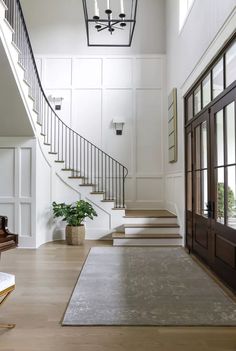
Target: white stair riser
(167, 230)
(150, 220)
(147, 242)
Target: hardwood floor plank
(44, 282)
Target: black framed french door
(201, 180)
(210, 164)
(211, 187)
(223, 187)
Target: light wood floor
(45, 279)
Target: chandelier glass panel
(110, 22)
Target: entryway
(211, 169)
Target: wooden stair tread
(76, 177)
(149, 214)
(156, 225)
(121, 235)
(87, 185)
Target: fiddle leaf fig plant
(74, 214)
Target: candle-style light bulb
(96, 10)
(108, 4)
(122, 9)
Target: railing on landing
(84, 159)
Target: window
(230, 59)
(217, 77)
(184, 9)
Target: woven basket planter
(75, 235)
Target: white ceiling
(57, 27)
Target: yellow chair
(7, 285)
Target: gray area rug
(147, 286)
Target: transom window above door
(215, 80)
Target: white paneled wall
(95, 91)
(17, 187)
(174, 196)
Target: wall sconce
(118, 125)
(56, 101)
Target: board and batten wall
(98, 89)
(18, 187)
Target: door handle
(210, 207)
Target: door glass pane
(206, 90)
(204, 144)
(197, 100)
(230, 117)
(190, 107)
(198, 192)
(204, 190)
(231, 192)
(220, 138)
(189, 191)
(218, 78)
(198, 147)
(220, 195)
(230, 60)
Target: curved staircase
(88, 170)
(94, 174)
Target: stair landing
(148, 228)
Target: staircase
(148, 228)
(98, 177)
(79, 163)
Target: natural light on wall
(184, 8)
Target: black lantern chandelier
(110, 22)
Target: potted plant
(74, 214)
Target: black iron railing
(81, 157)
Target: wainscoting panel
(25, 176)
(8, 209)
(117, 73)
(18, 187)
(99, 89)
(174, 196)
(65, 94)
(149, 189)
(87, 73)
(86, 114)
(57, 73)
(120, 147)
(25, 220)
(149, 131)
(148, 73)
(7, 184)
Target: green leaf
(73, 214)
